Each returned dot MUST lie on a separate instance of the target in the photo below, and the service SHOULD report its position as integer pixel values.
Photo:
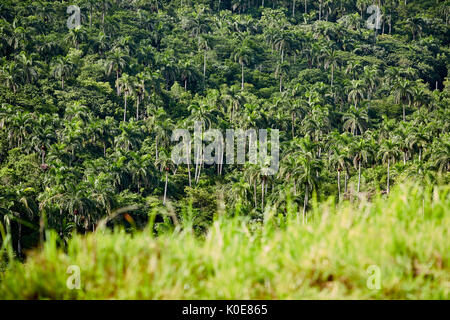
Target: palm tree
(242, 54)
(360, 154)
(388, 152)
(356, 92)
(338, 160)
(125, 85)
(91, 4)
(355, 119)
(116, 61)
(9, 76)
(331, 60)
(441, 154)
(61, 68)
(76, 36)
(140, 89)
(403, 93)
(25, 67)
(165, 163)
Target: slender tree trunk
(165, 189)
(293, 8)
(332, 74)
(242, 77)
(254, 194)
(137, 107)
(125, 109)
(293, 124)
(339, 184)
(359, 175)
(345, 181)
(305, 203)
(388, 189)
(19, 240)
(262, 195)
(117, 82)
(188, 153)
(404, 158)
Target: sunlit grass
(405, 235)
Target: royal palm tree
(403, 93)
(116, 61)
(242, 55)
(355, 119)
(360, 154)
(165, 164)
(61, 69)
(125, 85)
(388, 153)
(355, 92)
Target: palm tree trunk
(404, 157)
(137, 108)
(125, 109)
(359, 175)
(165, 189)
(305, 203)
(19, 240)
(189, 163)
(293, 124)
(345, 182)
(242, 77)
(388, 189)
(117, 82)
(332, 74)
(262, 195)
(254, 194)
(339, 184)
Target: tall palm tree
(61, 69)
(76, 36)
(388, 152)
(403, 93)
(125, 85)
(355, 119)
(355, 92)
(338, 160)
(331, 60)
(116, 61)
(242, 55)
(360, 154)
(26, 67)
(9, 75)
(165, 164)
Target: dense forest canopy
(87, 113)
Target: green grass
(405, 235)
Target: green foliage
(405, 236)
(87, 114)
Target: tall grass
(406, 236)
